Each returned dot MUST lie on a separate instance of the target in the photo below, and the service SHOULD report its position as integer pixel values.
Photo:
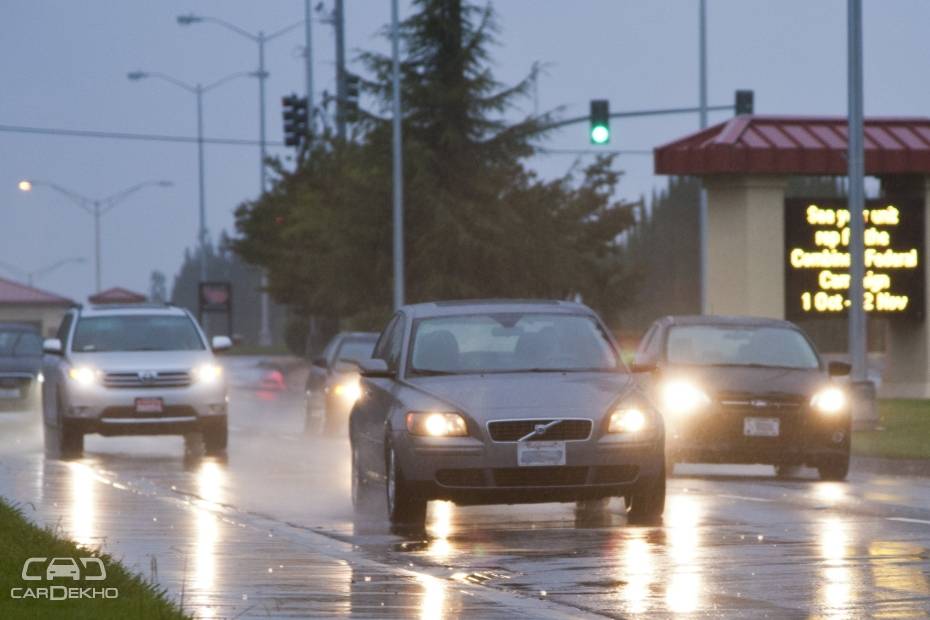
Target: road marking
(748, 499)
(907, 520)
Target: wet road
(270, 532)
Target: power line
(117, 135)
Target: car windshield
(510, 342)
(720, 345)
(18, 343)
(355, 349)
(137, 332)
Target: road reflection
(210, 481)
(638, 568)
(82, 510)
(837, 576)
(683, 515)
(439, 528)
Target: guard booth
(774, 257)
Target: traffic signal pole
(702, 114)
(639, 113)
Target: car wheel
(404, 507)
(362, 496)
(787, 472)
(834, 468)
(646, 503)
(65, 437)
(215, 437)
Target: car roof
(132, 309)
(724, 320)
(475, 306)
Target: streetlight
(260, 38)
(97, 207)
(31, 275)
(198, 90)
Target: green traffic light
(600, 134)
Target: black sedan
(20, 364)
(504, 402)
(748, 390)
(333, 383)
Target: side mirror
(838, 369)
(52, 346)
(221, 343)
(642, 367)
(319, 362)
(375, 368)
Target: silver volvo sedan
(488, 402)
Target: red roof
(797, 145)
(14, 293)
(117, 295)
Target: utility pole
(398, 164)
(308, 59)
(864, 400)
(202, 200)
(702, 194)
(339, 24)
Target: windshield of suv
(738, 345)
(136, 332)
(510, 342)
(19, 343)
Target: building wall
(46, 318)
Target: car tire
(363, 498)
(405, 508)
(787, 472)
(834, 468)
(215, 438)
(67, 440)
(646, 503)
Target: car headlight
(40, 378)
(434, 424)
(682, 398)
(627, 420)
(830, 400)
(83, 375)
(350, 390)
(208, 373)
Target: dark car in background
(748, 390)
(333, 383)
(20, 366)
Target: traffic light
(353, 90)
(294, 113)
(744, 102)
(600, 121)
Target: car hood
(750, 380)
(20, 364)
(526, 395)
(142, 360)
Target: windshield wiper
(432, 372)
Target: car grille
(9, 382)
(161, 379)
(540, 476)
(751, 404)
(169, 411)
(566, 430)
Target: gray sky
(64, 64)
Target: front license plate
(761, 427)
(149, 405)
(540, 453)
(9, 393)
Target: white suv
(132, 370)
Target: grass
(20, 540)
(904, 434)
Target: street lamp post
(198, 90)
(260, 38)
(31, 275)
(398, 165)
(97, 207)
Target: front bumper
(716, 435)
(468, 470)
(112, 411)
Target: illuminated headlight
(437, 424)
(40, 378)
(208, 373)
(830, 401)
(627, 420)
(83, 375)
(682, 398)
(350, 391)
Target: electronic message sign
(817, 258)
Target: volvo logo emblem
(148, 376)
(758, 404)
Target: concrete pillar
(746, 245)
(907, 357)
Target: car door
(370, 413)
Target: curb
(902, 467)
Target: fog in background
(64, 65)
